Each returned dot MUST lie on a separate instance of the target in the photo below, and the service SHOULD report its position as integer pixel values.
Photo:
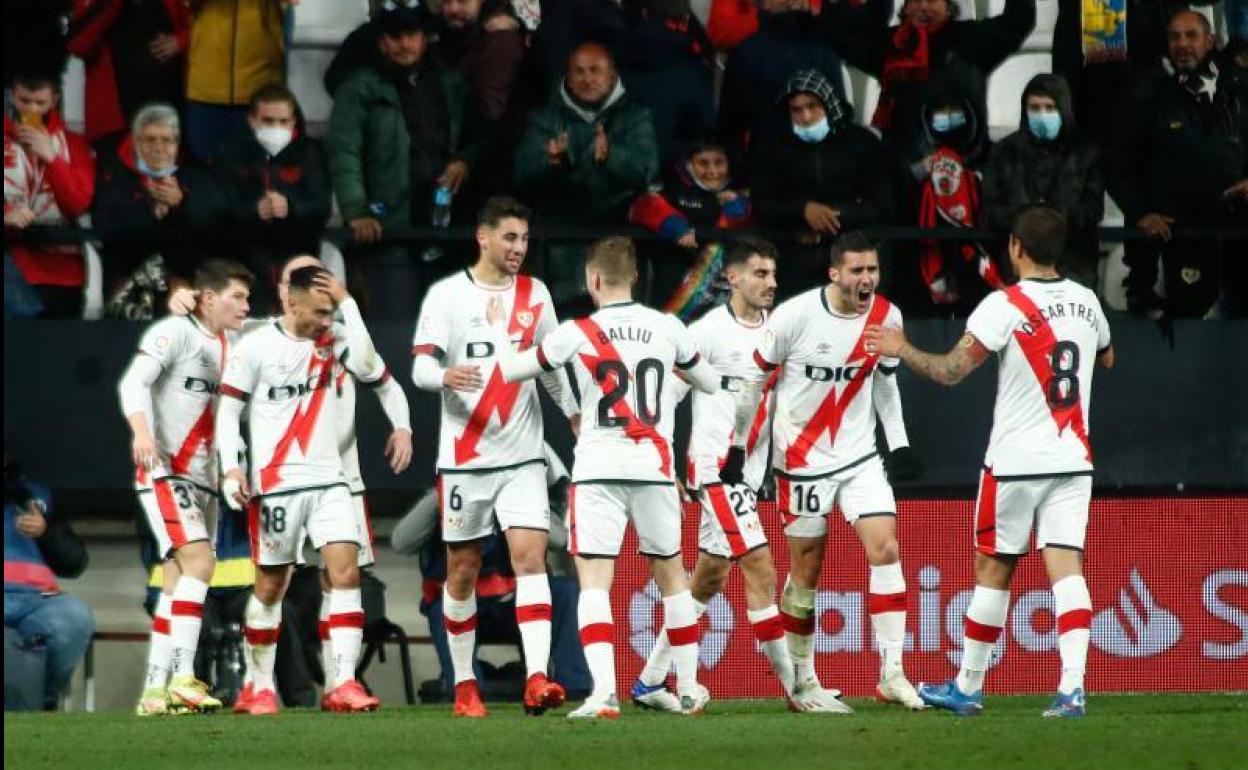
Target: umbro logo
(823, 348)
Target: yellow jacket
(236, 47)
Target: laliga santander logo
(643, 629)
(1137, 626)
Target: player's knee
(884, 551)
(528, 563)
(344, 576)
(198, 564)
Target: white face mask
(274, 138)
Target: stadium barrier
(1168, 578)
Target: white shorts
(860, 490)
(730, 527)
(469, 503)
(179, 512)
(364, 528)
(278, 524)
(598, 514)
(1007, 509)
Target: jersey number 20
(613, 377)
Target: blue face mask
(943, 122)
(812, 133)
(1045, 125)
(155, 173)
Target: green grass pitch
(1187, 732)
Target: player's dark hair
(216, 274)
(501, 207)
(36, 80)
(740, 251)
(270, 93)
(855, 241)
(1041, 231)
(304, 279)
(614, 258)
(291, 259)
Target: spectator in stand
(905, 57)
(697, 193)
(419, 534)
(788, 40)
(39, 547)
(1180, 159)
(134, 53)
(34, 37)
(401, 128)
(940, 189)
(277, 185)
(49, 179)
(665, 62)
(237, 46)
(585, 157)
(1099, 47)
(1048, 161)
(155, 216)
(825, 176)
(565, 25)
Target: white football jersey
(1047, 334)
(500, 425)
(727, 344)
(184, 398)
(622, 356)
(293, 423)
(824, 417)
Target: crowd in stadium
(602, 114)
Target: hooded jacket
(580, 190)
(846, 170)
(1065, 173)
(237, 46)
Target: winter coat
(112, 39)
(1146, 32)
(57, 192)
(369, 145)
(1174, 154)
(666, 68)
(580, 190)
(123, 216)
(758, 67)
(237, 46)
(246, 172)
(1065, 173)
(681, 205)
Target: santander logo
(1137, 626)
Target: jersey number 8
(1063, 390)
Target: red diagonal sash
(201, 433)
(633, 427)
(827, 418)
(760, 417)
(304, 421)
(498, 395)
(1038, 349)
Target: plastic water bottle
(440, 216)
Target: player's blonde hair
(615, 259)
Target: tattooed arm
(948, 369)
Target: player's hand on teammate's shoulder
(883, 340)
(465, 378)
(182, 301)
(399, 450)
(903, 465)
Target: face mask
(154, 173)
(813, 133)
(943, 122)
(1045, 125)
(274, 138)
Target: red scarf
(905, 61)
(951, 196)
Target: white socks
(159, 648)
(533, 617)
(460, 619)
(598, 639)
(660, 661)
(769, 631)
(797, 609)
(327, 646)
(186, 615)
(1074, 624)
(346, 632)
(262, 625)
(680, 623)
(887, 602)
(985, 617)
